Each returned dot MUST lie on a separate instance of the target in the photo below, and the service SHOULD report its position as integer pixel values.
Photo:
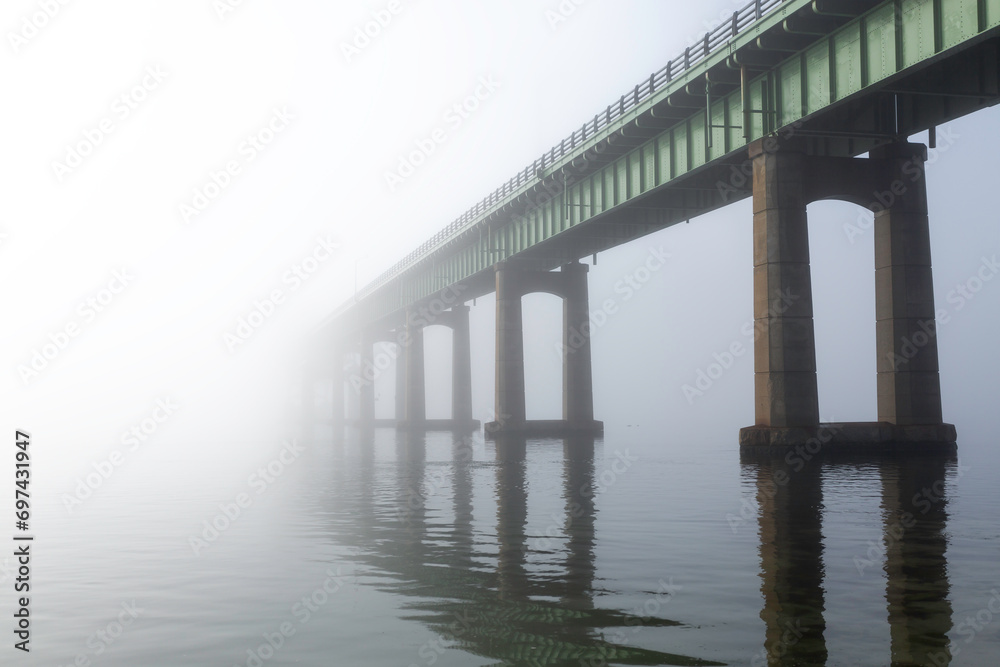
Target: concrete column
(461, 365)
(400, 382)
(366, 389)
(351, 393)
(308, 406)
(416, 410)
(784, 347)
(909, 388)
(509, 405)
(578, 390)
(337, 394)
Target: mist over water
(191, 502)
(635, 549)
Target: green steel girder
(882, 70)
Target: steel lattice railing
(656, 82)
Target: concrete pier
(400, 397)
(909, 388)
(785, 343)
(337, 392)
(361, 380)
(578, 383)
(891, 182)
(365, 388)
(307, 405)
(415, 402)
(412, 377)
(461, 365)
(570, 284)
(509, 397)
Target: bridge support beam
(363, 378)
(366, 389)
(509, 399)
(570, 283)
(785, 343)
(337, 393)
(578, 383)
(416, 402)
(401, 349)
(461, 366)
(413, 416)
(909, 387)
(307, 407)
(891, 182)
(457, 319)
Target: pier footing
(860, 437)
(440, 425)
(544, 427)
(369, 423)
(425, 425)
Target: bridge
(789, 102)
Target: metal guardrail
(692, 55)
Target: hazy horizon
(174, 168)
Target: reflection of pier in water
(792, 568)
(512, 612)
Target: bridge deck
(831, 77)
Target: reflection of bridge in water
(512, 599)
(792, 567)
(511, 612)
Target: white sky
(323, 176)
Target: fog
(231, 146)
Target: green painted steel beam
(803, 92)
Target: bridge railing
(692, 55)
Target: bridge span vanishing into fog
(776, 104)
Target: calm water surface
(386, 549)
